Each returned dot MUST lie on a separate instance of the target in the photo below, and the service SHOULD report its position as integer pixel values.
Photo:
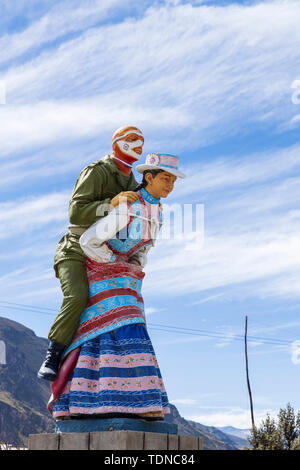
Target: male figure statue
(101, 186)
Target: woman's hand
(124, 196)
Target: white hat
(161, 161)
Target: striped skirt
(116, 372)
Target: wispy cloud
(151, 310)
(233, 171)
(184, 401)
(236, 417)
(190, 74)
(250, 257)
(207, 299)
(295, 352)
(60, 20)
(251, 232)
(196, 74)
(31, 214)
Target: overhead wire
(227, 335)
(24, 306)
(161, 327)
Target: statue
(100, 186)
(110, 367)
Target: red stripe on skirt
(113, 316)
(112, 293)
(105, 271)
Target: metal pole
(247, 374)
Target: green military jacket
(95, 187)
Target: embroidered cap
(161, 161)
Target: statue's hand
(124, 196)
(134, 260)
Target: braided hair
(144, 182)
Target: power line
(226, 337)
(160, 327)
(222, 335)
(26, 306)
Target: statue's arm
(92, 240)
(87, 203)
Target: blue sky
(216, 83)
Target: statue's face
(160, 185)
(128, 142)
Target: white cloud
(51, 164)
(41, 294)
(27, 278)
(226, 259)
(226, 342)
(207, 299)
(294, 122)
(150, 310)
(184, 401)
(11, 276)
(27, 215)
(209, 79)
(243, 171)
(66, 122)
(295, 352)
(236, 417)
(61, 19)
(251, 234)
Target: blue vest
(132, 238)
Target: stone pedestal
(114, 434)
(114, 440)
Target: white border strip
(2, 92)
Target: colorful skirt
(116, 372)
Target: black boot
(49, 368)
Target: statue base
(115, 424)
(114, 440)
(114, 434)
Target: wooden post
(247, 375)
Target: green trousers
(75, 288)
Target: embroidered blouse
(128, 231)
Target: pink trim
(133, 384)
(114, 360)
(168, 160)
(110, 409)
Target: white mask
(127, 148)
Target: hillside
(213, 439)
(228, 437)
(241, 433)
(23, 397)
